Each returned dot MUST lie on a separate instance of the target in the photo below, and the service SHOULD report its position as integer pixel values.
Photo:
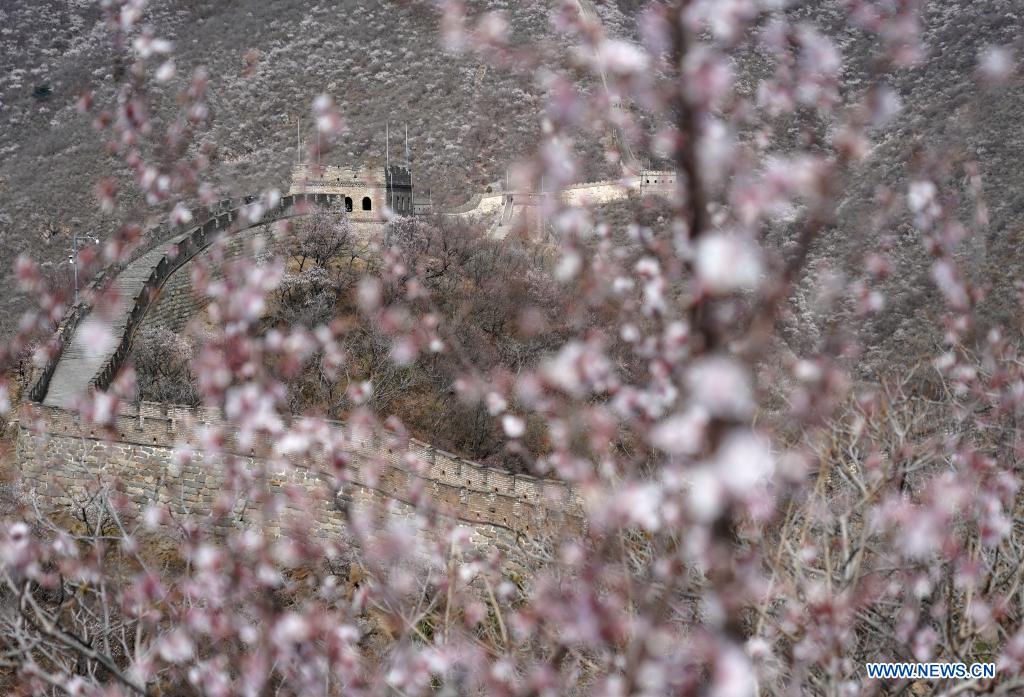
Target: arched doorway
(348, 204)
(367, 205)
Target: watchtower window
(367, 205)
(348, 204)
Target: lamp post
(73, 257)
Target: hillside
(745, 423)
(946, 108)
(269, 58)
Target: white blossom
(744, 462)
(175, 647)
(513, 426)
(728, 262)
(621, 57)
(996, 64)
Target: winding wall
(81, 361)
(60, 455)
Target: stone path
(500, 227)
(80, 361)
(88, 352)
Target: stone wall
(646, 183)
(181, 250)
(60, 456)
(176, 302)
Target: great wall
(60, 454)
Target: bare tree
(163, 364)
(323, 237)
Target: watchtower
(366, 191)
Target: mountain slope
(384, 62)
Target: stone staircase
(81, 360)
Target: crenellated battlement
(166, 426)
(61, 457)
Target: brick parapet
(468, 491)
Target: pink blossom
(721, 386)
(681, 434)
(708, 77)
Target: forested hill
(947, 109)
(268, 59)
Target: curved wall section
(180, 253)
(513, 513)
(59, 455)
